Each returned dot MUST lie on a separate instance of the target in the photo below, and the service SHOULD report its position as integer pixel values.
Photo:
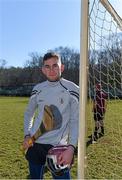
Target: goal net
(104, 148)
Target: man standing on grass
(99, 109)
(61, 96)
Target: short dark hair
(50, 55)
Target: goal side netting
(104, 154)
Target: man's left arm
(67, 156)
(74, 120)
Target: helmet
(51, 160)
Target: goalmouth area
(100, 63)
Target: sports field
(104, 159)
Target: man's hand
(28, 142)
(66, 157)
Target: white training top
(62, 94)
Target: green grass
(12, 162)
(104, 159)
(13, 165)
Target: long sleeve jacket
(62, 94)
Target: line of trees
(104, 66)
(24, 78)
(31, 72)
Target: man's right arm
(29, 113)
(28, 120)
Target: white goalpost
(100, 63)
(83, 87)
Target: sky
(28, 26)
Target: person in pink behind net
(99, 109)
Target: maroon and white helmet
(52, 160)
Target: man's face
(52, 69)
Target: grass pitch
(104, 159)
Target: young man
(99, 109)
(62, 95)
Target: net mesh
(104, 156)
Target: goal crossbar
(113, 13)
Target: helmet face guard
(51, 160)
